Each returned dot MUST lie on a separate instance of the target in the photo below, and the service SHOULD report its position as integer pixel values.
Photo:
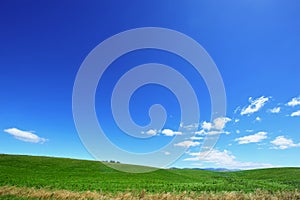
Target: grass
(78, 176)
(11, 192)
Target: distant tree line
(111, 161)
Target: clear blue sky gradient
(255, 44)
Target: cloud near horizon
(282, 142)
(26, 136)
(224, 159)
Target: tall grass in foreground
(12, 192)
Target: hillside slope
(82, 175)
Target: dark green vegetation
(9, 197)
(79, 175)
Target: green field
(81, 175)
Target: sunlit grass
(27, 176)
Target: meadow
(29, 177)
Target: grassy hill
(81, 175)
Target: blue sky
(255, 45)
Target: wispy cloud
(187, 144)
(237, 110)
(151, 132)
(189, 127)
(196, 138)
(255, 105)
(252, 138)
(282, 142)
(26, 136)
(224, 159)
(275, 110)
(296, 114)
(294, 102)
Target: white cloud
(255, 105)
(187, 144)
(167, 153)
(224, 159)
(275, 110)
(236, 120)
(201, 132)
(196, 138)
(25, 136)
(252, 138)
(296, 114)
(258, 119)
(283, 143)
(169, 132)
(151, 132)
(218, 124)
(215, 127)
(189, 127)
(206, 125)
(238, 131)
(294, 102)
(217, 132)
